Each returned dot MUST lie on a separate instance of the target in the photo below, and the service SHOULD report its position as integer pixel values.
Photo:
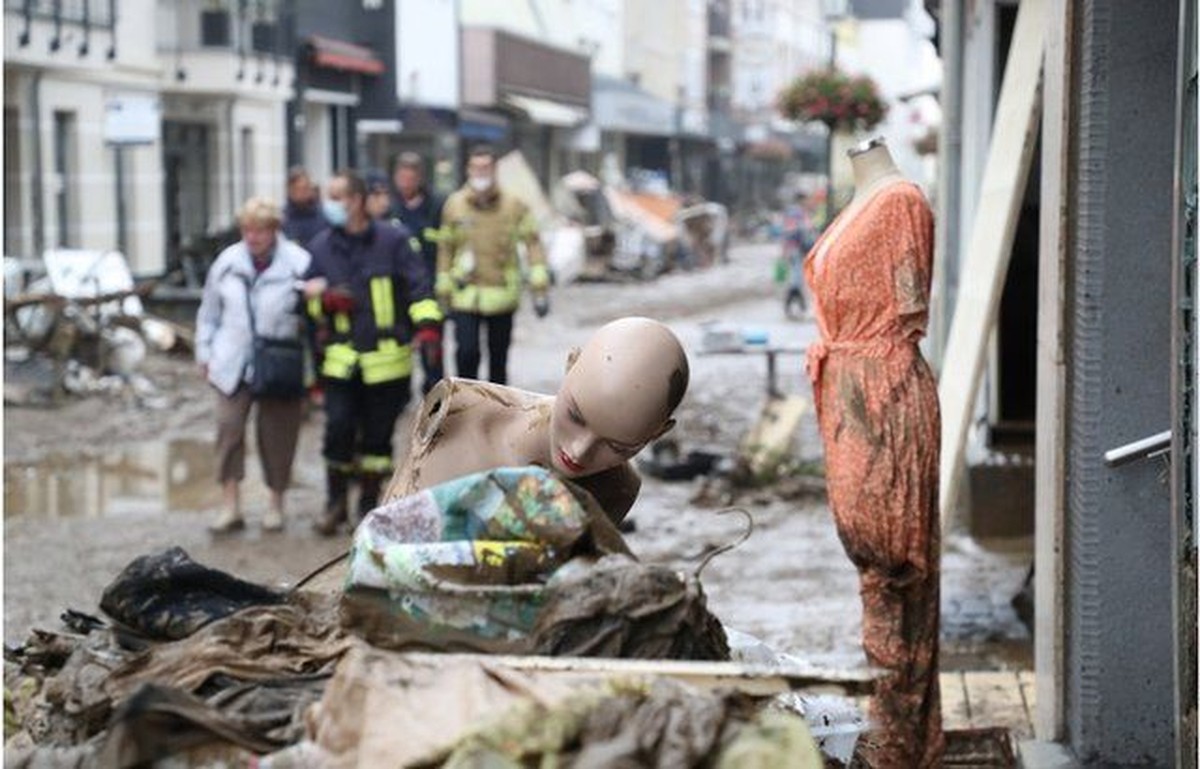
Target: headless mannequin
(873, 169)
(878, 411)
(618, 395)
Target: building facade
(138, 125)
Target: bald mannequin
(618, 395)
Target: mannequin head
(618, 395)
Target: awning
(478, 125)
(348, 57)
(623, 107)
(546, 112)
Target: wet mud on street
(96, 482)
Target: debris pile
(74, 323)
(207, 668)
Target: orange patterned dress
(877, 406)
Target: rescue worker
(369, 294)
(420, 211)
(479, 269)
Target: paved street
(789, 584)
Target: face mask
(481, 183)
(335, 212)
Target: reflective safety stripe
(432, 234)
(415, 244)
(314, 308)
(383, 303)
(343, 467)
(341, 323)
(425, 311)
(390, 362)
(339, 361)
(539, 277)
(486, 300)
(375, 463)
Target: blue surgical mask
(335, 212)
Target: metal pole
(122, 211)
(829, 209)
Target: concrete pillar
(1118, 627)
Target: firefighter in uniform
(419, 209)
(368, 293)
(479, 270)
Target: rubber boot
(370, 484)
(337, 484)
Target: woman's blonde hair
(259, 212)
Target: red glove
(428, 340)
(335, 300)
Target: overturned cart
(200, 665)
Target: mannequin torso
(466, 426)
(874, 170)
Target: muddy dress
(877, 406)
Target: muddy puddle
(150, 477)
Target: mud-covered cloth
(260, 644)
(460, 712)
(474, 554)
(168, 596)
(53, 686)
(877, 406)
(666, 724)
(621, 608)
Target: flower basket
(830, 96)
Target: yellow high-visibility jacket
(479, 268)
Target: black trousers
(499, 337)
(360, 420)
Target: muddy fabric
(625, 726)
(158, 721)
(472, 555)
(53, 686)
(438, 699)
(169, 596)
(878, 411)
(621, 608)
(262, 643)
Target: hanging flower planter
(830, 96)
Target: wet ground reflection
(150, 477)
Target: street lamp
(833, 12)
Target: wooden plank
(956, 711)
(1050, 436)
(751, 679)
(986, 265)
(995, 700)
(1028, 680)
(769, 441)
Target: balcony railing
(245, 26)
(89, 13)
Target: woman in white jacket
(265, 268)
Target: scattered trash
(668, 462)
(81, 311)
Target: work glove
(335, 300)
(428, 340)
(541, 305)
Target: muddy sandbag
(618, 607)
(168, 596)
